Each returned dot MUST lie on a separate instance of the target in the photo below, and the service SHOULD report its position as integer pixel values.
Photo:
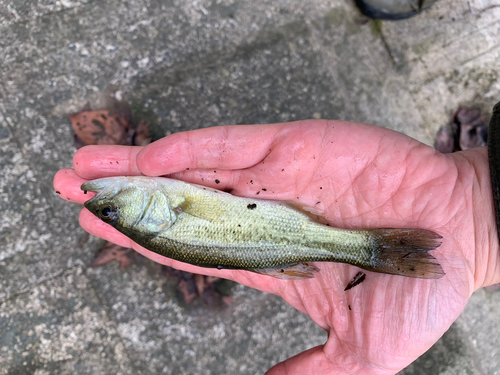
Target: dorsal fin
(315, 214)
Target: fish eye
(108, 214)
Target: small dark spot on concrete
(350, 307)
(318, 202)
(187, 169)
(297, 197)
(85, 192)
(321, 187)
(257, 193)
(215, 171)
(117, 162)
(263, 189)
(283, 170)
(217, 181)
(282, 270)
(251, 206)
(58, 192)
(239, 225)
(110, 162)
(327, 224)
(412, 269)
(67, 198)
(251, 181)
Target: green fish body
(210, 228)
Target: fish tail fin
(405, 252)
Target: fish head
(130, 204)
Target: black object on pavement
(392, 9)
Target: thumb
(316, 361)
(312, 361)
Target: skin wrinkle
(429, 209)
(132, 167)
(481, 237)
(192, 157)
(359, 196)
(311, 308)
(472, 262)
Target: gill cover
(136, 204)
(157, 214)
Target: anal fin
(294, 271)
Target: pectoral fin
(202, 207)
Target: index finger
(223, 147)
(91, 162)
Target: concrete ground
(200, 63)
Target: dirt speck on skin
(358, 279)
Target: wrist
(484, 251)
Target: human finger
(317, 361)
(67, 184)
(91, 162)
(312, 361)
(224, 147)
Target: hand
(363, 177)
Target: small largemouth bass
(210, 228)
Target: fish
(211, 228)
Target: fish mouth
(89, 205)
(100, 186)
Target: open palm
(357, 176)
